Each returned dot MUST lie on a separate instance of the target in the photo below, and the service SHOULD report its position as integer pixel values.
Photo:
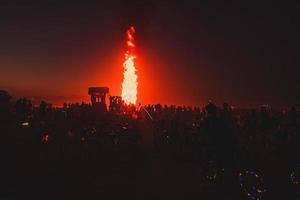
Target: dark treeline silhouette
(147, 152)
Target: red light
(134, 116)
(45, 138)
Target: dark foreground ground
(139, 173)
(81, 151)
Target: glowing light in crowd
(25, 124)
(45, 138)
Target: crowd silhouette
(146, 152)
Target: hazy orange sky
(187, 52)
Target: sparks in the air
(129, 85)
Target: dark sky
(243, 53)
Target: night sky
(246, 54)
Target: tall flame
(129, 85)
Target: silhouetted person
(221, 136)
(4, 101)
(23, 108)
(293, 117)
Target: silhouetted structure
(98, 94)
(116, 103)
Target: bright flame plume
(129, 85)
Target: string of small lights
(252, 185)
(294, 176)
